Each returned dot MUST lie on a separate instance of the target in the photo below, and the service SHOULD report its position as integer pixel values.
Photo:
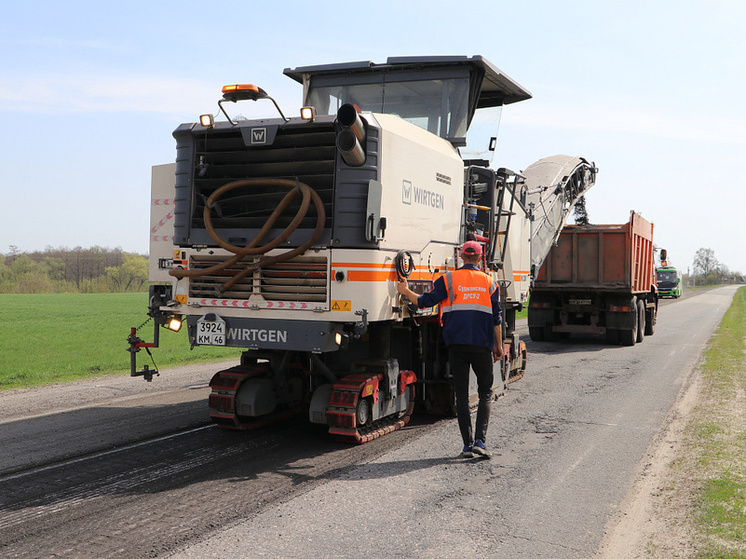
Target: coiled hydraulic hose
(251, 249)
(404, 263)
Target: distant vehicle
(668, 279)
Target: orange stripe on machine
(367, 275)
(369, 272)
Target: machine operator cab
(438, 94)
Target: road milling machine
(285, 237)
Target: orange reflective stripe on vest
(469, 290)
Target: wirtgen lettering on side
(257, 335)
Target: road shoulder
(654, 520)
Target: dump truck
(285, 237)
(597, 279)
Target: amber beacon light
(245, 92)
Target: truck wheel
(640, 320)
(536, 334)
(650, 318)
(629, 337)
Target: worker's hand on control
(402, 286)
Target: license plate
(211, 332)
(580, 301)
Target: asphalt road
(121, 468)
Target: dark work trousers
(480, 359)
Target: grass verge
(58, 337)
(715, 447)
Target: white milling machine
(286, 236)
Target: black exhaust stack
(351, 136)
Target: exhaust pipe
(351, 137)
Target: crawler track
(343, 406)
(222, 400)
(517, 374)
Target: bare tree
(705, 261)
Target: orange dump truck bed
(597, 279)
(616, 257)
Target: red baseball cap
(472, 248)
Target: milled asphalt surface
(569, 440)
(50, 423)
(420, 493)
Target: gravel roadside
(649, 522)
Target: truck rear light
(622, 308)
(540, 305)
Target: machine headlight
(173, 324)
(308, 113)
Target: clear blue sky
(652, 91)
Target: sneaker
(480, 449)
(467, 452)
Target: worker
(472, 331)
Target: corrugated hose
(251, 249)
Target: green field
(58, 337)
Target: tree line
(707, 270)
(105, 270)
(77, 270)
